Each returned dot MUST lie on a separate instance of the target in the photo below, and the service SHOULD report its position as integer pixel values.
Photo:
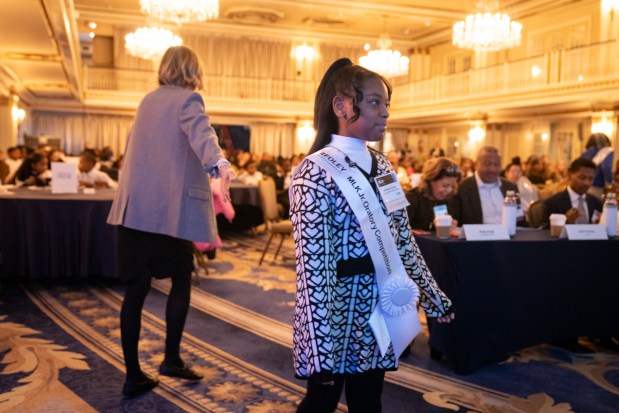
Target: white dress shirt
(491, 199)
(96, 176)
(574, 199)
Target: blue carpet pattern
(60, 352)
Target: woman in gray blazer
(162, 204)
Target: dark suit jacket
(465, 205)
(560, 203)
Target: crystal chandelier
(487, 32)
(150, 42)
(181, 11)
(387, 62)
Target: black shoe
(607, 343)
(435, 354)
(135, 387)
(181, 372)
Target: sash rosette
(398, 296)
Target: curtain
(78, 131)
(273, 138)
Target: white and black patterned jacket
(336, 285)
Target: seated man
(89, 177)
(479, 198)
(252, 175)
(578, 206)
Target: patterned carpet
(60, 352)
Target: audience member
(535, 170)
(89, 177)
(437, 152)
(4, 168)
(557, 172)
(402, 175)
(438, 181)
(13, 160)
(527, 191)
(467, 167)
(599, 150)
(33, 171)
(252, 175)
(578, 206)
(479, 199)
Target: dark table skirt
(509, 295)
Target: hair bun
(516, 160)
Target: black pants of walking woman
(148, 255)
(131, 321)
(363, 392)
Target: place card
(583, 232)
(484, 232)
(64, 178)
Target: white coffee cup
(443, 226)
(557, 222)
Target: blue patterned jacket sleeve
(310, 213)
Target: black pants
(143, 255)
(363, 391)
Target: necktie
(582, 214)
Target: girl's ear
(339, 107)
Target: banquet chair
(199, 263)
(534, 213)
(271, 215)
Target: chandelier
(181, 11)
(150, 42)
(487, 32)
(387, 62)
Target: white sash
(395, 318)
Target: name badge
(391, 192)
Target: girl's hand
(446, 319)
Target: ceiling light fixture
(487, 32)
(181, 11)
(383, 60)
(150, 42)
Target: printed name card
(484, 232)
(64, 178)
(583, 232)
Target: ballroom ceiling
(40, 56)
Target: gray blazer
(164, 187)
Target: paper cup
(443, 226)
(557, 222)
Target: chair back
(534, 213)
(268, 199)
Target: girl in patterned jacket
(337, 289)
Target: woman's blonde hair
(180, 66)
(435, 169)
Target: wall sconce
(610, 6)
(18, 114)
(603, 122)
(302, 53)
(305, 135)
(545, 136)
